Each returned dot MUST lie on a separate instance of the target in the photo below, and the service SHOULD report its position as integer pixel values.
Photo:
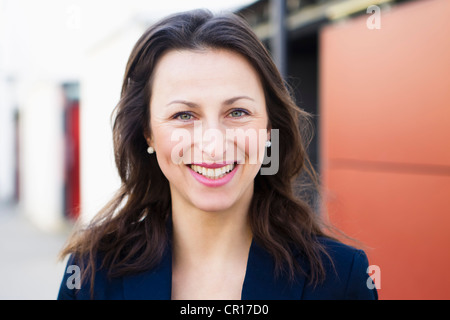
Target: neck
(211, 237)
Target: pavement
(29, 269)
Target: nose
(210, 139)
(213, 144)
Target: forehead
(202, 69)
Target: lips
(211, 165)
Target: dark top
(348, 279)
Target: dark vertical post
(279, 38)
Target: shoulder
(76, 287)
(346, 274)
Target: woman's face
(208, 124)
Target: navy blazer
(346, 280)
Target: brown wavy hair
(130, 233)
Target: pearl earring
(150, 150)
(268, 143)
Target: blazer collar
(259, 282)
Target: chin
(212, 204)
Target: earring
(268, 143)
(150, 150)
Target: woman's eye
(237, 113)
(183, 116)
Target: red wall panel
(403, 219)
(385, 150)
(387, 91)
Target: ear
(269, 128)
(149, 139)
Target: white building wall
(7, 157)
(100, 93)
(39, 53)
(6, 113)
(42, 155)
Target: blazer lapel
(260, 283)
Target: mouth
(213, 171)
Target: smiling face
(208, 125)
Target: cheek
(163, 145)
(172, 145)
(253, 145)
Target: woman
(197, 217)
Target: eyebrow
(194, 105)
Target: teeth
(213, 173)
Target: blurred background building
(374, 73)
